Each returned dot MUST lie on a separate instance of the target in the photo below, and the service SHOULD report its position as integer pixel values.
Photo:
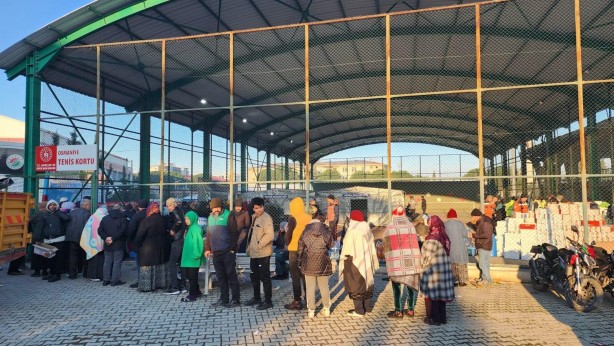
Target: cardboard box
(45, 250)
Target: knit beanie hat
(216, 203)
(237, 202)
(452, 214)
(357, 215)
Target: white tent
(371, 200)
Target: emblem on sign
(46, 154)
(14, 162)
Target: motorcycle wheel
(538, 286)
(589, 300)
(535, 283)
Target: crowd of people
(423, 255)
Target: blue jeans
(112, 260)
(484, 264)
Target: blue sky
(21, 18)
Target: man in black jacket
(176, 221)
(113, 230)
(135, 222)
(53, 229)
(74, 228)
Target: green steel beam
(46, 54)
(32, 135)
(145, 155)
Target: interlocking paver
(82, 312)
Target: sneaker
(188, 299)
(353, 313)
(253, 302)
(118, 283)
(264, 306)
(326, 312)
(95, 280)
(134, 285)
(219, 303)
(106, 283)
(54, 278)
(183, 290)
(36, 274)
(295, 305)
(233, 304)
(46, 276)
(172, 291)
(311, 313)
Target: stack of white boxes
(552, 225)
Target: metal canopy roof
(524, 42)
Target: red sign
(526, 226)
(46, 158)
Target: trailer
(14, 216)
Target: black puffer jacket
(78, 219)
(114, 225)
(176, 220)
(53, 225)
(313, 248)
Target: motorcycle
(561, 269)
(601, 264)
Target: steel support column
(32, 133)
(580, 85)
(243, 167)
(268, 170)
(504, 172)
(145, 156)
(549, 164)
(206, 156)
(287, 172)
(523, 167)
(594, 166)
(478, 71)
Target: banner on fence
(57, 158)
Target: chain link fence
(362, 109)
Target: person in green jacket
(192, 255)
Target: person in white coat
(358, 263)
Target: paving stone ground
(81, 312)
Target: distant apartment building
(183, 171)
(347, 168)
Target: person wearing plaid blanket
(437, 281)
(403, 262)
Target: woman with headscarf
(192, 255)
(93, 245)
(358, 263)
(403, 262)
(458, 234)
(154, 250)
(437, 282)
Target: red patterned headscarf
(437, 231)
(154, 208)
